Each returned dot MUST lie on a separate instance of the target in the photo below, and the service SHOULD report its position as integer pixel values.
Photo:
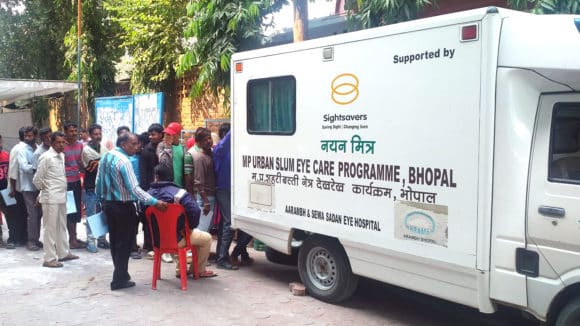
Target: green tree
(364, 14)
(547, 6)
(215, 31)
(100, 50)
(152, 36)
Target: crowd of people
(151, 169)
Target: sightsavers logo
(419, 223)
(344, 89)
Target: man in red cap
(172, 154)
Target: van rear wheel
(325, 270)
(570, 315)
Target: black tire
(277, 257)
(570, 314)
(325, 270)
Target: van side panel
(393, 93)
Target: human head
(128, 142)
(44, 134)
(190, 143)
(122, 130)
(143, 140)
(96, 133)
(172, 133)
(30, 134)
(155, 133)
(203, 138)
(84, 134)
(162, 173)
(71, 131)
(57, 141)
(223, 130)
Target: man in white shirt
(51, 180)
(27, 169)
(18, 232)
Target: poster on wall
(111, 113)
(137, 112)
(148, 110)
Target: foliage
(216, 30)
(31, 40)
(99, 51)
(364, 14)
(547, 6)
(40, 110)
(152, 31)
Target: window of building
(565, 144)
(272, 106)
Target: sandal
(52, 264)
(207, 274)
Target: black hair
(44, 131)
(123, 139)
(93, 127)
(31, 129)
(56, 134)
(163, 173)
(121, 128)
(69, 125)
(155, 127)
(82, 130)
(223, 130)
(201, 134)
(144, 138)
(21, 133)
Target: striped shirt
(72, 161)
(116, 180)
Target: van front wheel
(325, 271)
(570, 315)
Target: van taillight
(239, 67)
(469, 33)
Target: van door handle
(552, 211)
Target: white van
(441, 155)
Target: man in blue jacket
(164, 189)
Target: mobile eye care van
(441, 155)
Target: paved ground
(79, 294)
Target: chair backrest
(165, 224)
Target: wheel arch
(566, 295)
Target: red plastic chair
(168, 243)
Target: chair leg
(183, 269)
(156, 270)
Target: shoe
(234, 260)
(2, 243)
(92, 248)
(52, 264)
(227, 266)
(82, 242)
(135, 255)
(246, 261)
(31, 246)
(10, 245)
(150, 255)
(207, 274)
(68, 257)
(167, 258)
(103, 244)
(122, 285)
(76, 245)
(39, 244)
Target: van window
(272, 106)
(565, 144)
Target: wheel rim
(321, 268)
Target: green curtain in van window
(283, 92)
(259, 110)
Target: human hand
(93, 165)
(161, 205)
